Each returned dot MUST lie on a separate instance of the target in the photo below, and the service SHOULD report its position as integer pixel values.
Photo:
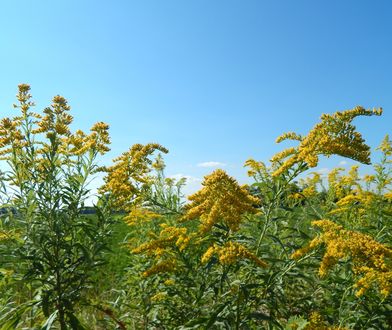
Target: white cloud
(192, 183)
(211, 164)
(324, 170)
(189, 178)
(342, 163)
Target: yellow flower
(169, 282)
(386, 146)
(159, 296)
(257, 169)
(100, 137)
(369, 258)
(140, 215)
(221, 200)
(128, 176)
(165, 266)
(170, 237)
(230, 253)
(334, 135)
(208, 254)
(289, 136)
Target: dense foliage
(292, 250)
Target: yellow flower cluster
(163, 247)
(256, 169)
(11, 138)
(221, 200)
(169, 282)
(343, 185)
(56, 120)
(139, 215)
(358, 200)
(230, 253)
(128, 176)
(333, 135)
(159, 296)
(55, 125)
(8, 235)
(168, 237)
(317, 322)
(79, 143)
(309, 187)
(369, 258)
(165, 266)
(350, 195)
(386, 146)
(289, 136)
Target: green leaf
(49, 321)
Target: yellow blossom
(221, 200)
(159, 296)
(208, 254)
(334, 135)
(169, 282)
(230, 253)
(369, 258)
(386, 146)
(139, 215)
(256, 168)
(128, 176)
(165, 266)
(169, 237)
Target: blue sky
(213, 81)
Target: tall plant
(49, 245)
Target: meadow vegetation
(290, 250)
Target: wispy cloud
(211, 164)
(342, 163)
(189, 178)
(192, 184)
(324, 170)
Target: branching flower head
(334, 135)
(230, 253)
(221, 200)
(369, 258)
(129, 174)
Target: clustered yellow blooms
(316, 322)
(358, 200)
(168, 236)
(164, 266)
(162, 248)
(33, 142)
(230, 253)
(388, 195)
(79, 143)
(140, 215)
(309, 187)
(56, 120)
(333, 135)
(221, 200)
(369, 258)
(3, 235)
(343, 185)
(129, 175)
(350, 193)
(386, 146)
(11, 139)
(159, 296)
(257, 169)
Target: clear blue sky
(213, 81)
